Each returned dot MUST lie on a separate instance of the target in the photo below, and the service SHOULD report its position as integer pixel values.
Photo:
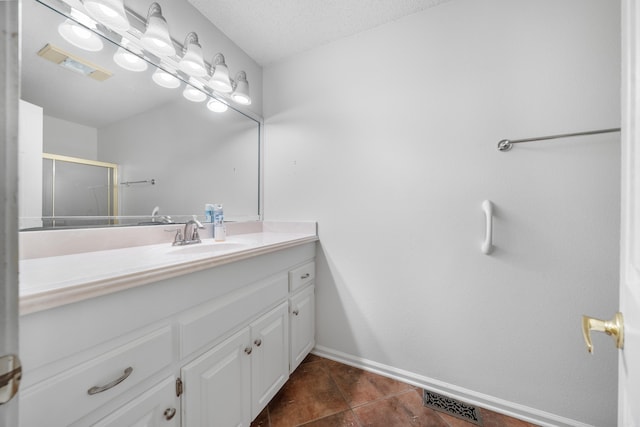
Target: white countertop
(52, 281)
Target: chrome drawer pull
(100, 389)
(295, 312)
(305, 276)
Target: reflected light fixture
(241, 92)
(192, 93)
(217, 106)
(80, 35)
(220, 79)
(156, 38)
(192, 62)
(108, 12)
(164, 79)
(129, 58)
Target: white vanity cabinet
(210, 347)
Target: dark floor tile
(401, 410)
(312, 358)
(360, 387)
(262, 420)
(455, 422)
(493, 419)
(309, 394)
(341, 419)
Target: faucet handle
(177, 240)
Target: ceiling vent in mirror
(156, 38)
(108, 12)
(74, 63)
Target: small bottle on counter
(219, 230)
(208, 212)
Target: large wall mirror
(113, 148)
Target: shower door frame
(113, 190)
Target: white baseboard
(495, 404)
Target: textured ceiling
(269, 30)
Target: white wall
(70, 139)
(388, 139)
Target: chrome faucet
(190, 235)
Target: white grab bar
(487, 245)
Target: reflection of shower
(74, 187)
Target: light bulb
(111, 13)
(217, 106)
(164, 79)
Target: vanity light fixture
(80, 35)
(193, 91)
(192, 62)
(164, 79)
(129, 58)
(241, 92)
(156, 38)
(220, 80)
(217, 106)
(111, 13)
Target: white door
(629, 359)
(270, 358)
(303, 327)
(217, 385)
(9, 76)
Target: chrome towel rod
(507, 144)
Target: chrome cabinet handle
(169, 413)
(248, 350)
(100, 389)
(258, 342)
(305, 276)
(296, 312)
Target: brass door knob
(613, 327)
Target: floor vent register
(451, 407)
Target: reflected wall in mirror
(193, 155)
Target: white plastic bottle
(219, 230)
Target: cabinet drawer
(157, 406)
(212, 320)
(64, 398)
(301, 276)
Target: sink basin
(206, 248)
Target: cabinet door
(217, 385)
(270, 358)
(303, 325)
(157, 407)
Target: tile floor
(324, 393)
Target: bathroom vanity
(156, 335)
